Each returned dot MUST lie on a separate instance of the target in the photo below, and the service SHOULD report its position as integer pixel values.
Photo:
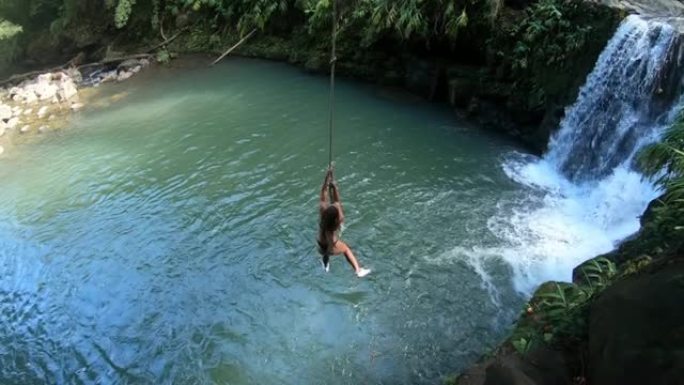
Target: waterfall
(625, 100)
(584, 195)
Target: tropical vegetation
(664, 163)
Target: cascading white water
(622, 104)
(584, 195)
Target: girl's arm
(324, 189)
(337, 201)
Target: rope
(333, 60)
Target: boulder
(75, 75)
(45, 90)
(124, 75)
(25, 129)
(108, 77)
(12, 123)
(540, 366)
(44, 78)
(67, 89)
(30, 97)
(76, 106)
(1, 150)
(43, 112)
(127, 65)
(43, 129)
(28, 111)
(5, 112)
(636, 329)
(17, 111)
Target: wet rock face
(541, 366)
(655, 8)
(636, 330)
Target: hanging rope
(333, 60)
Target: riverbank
(45, 103)
(488, 78)
(513, 67)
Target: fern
(123, 12)
(8, 30)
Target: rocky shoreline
(45, 102)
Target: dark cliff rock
(636, 330)
(541, 366)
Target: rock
(43, 112)
(67, 89)
(652, 8)
(422, 77)
(1, 150)
(28, 111)
(75, 75)
(17, 111)
(30, 97)
(25, 129)
(136, 69)
(636, 329)
(45, 91)
(540, 366)
(44, 78)
(51, 117)
(12, 123)
(123, 76)
(5, 112)
(108, 77)
(126, 65)
(461, 90)
(43, 129)
(76, 106)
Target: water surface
(167, 237)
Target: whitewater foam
(584, 197)
(558, 225)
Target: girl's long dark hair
(330, 222)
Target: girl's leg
(343, 248)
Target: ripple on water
(169, 238)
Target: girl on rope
(331, 219)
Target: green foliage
(123, 12)
(664, 162)
(557, 314)
(524, 344)
(548, 49)
(8, 41)
(163, 56)
(8, 30)
(636, 265)
(547, 36)
(597, 273)
(424, 20)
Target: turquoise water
(167, 237)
